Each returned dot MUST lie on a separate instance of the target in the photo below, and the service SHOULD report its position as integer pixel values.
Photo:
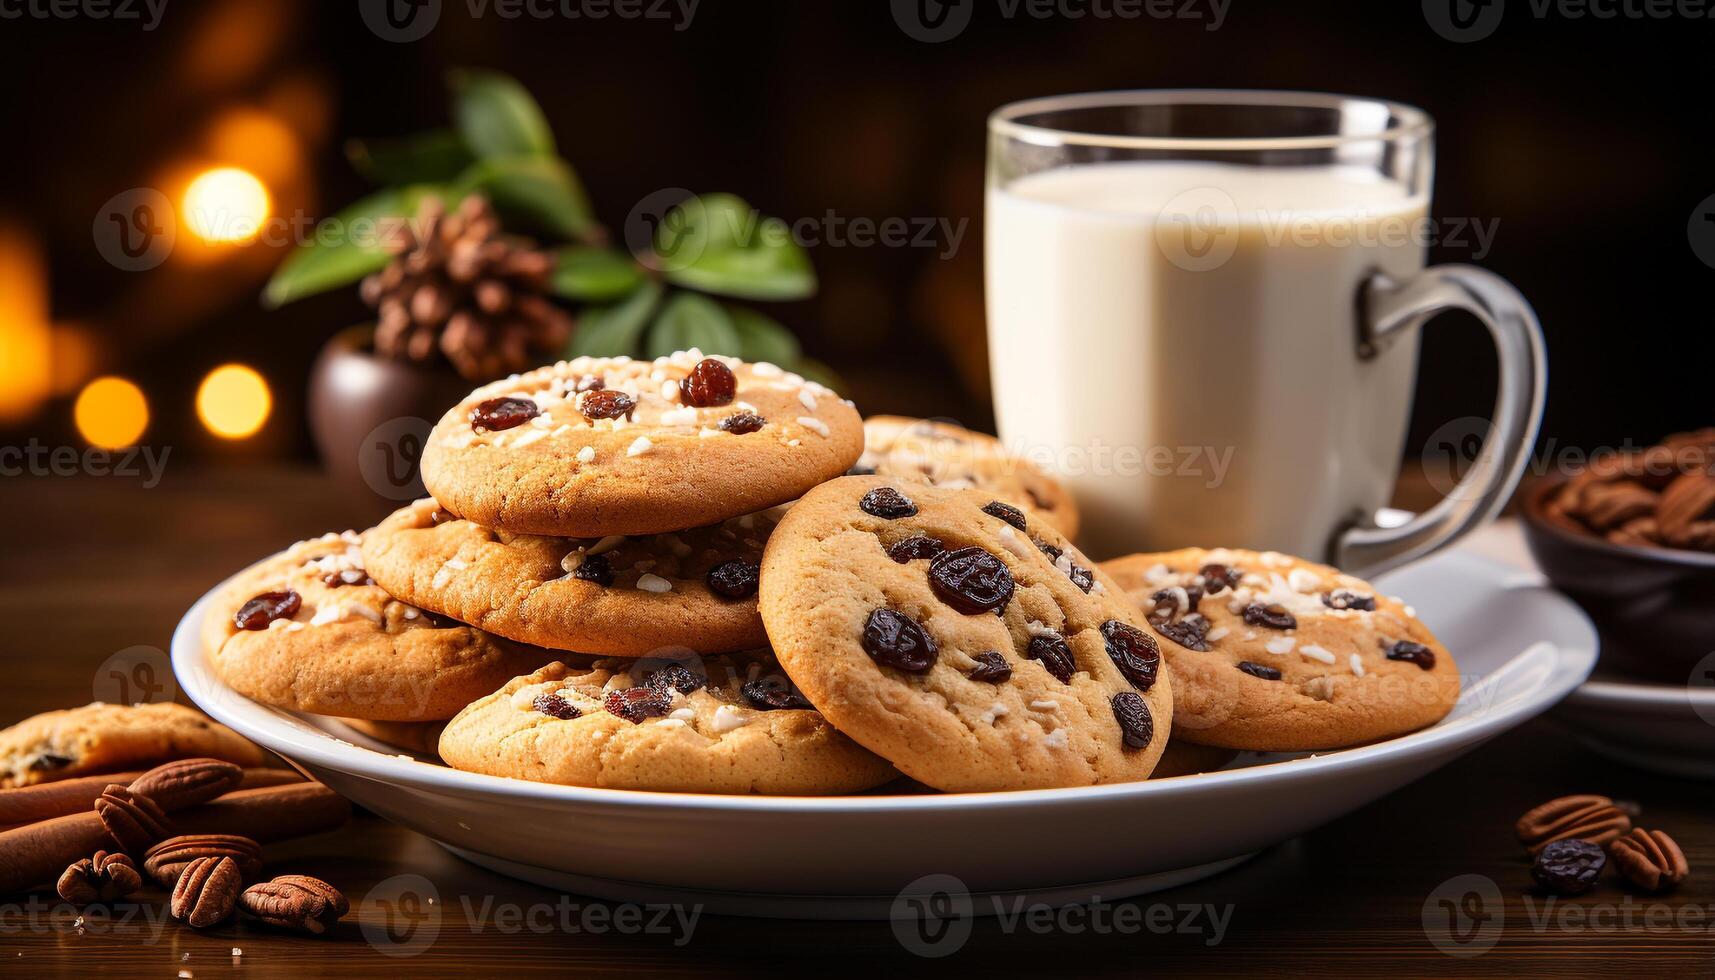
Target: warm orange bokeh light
(255, 141)
(111, 413)
(234, 401)
(25, 351)
(226, 204)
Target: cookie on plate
(1275, 653)
(600, 446)
(725, 724)
(965, 642)
(946, 454)
(614, 596)
(1182, 758)
(308, 630)
(98, 738)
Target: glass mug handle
(1388, 310)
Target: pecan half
(1643, 532)
(1649, 859)
(106, 877)
(1688, 500)
(207, 892)
(295, 902)
(133, 820)
(1590, 818)
(1609, 505)
(167, 860)
(188, 782)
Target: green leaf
(541, 192)
(763, 338)
(717, 243)
(496, 115)
(608, 331)
(594, 275)
(438, 155)
(345, 247)
(688, 320)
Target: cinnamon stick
(27, 804)
(36, 854)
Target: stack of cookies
(698, 574)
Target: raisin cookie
(601, 446)
(418, 737)
(1275, 653)
(308, 630)
(966, 643)
(614, 596)
(728, 724)
(946, 454)
(98, 738)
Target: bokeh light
(225, 204)
(111, 413)
(234, 401)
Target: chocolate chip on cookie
(1258, 670)
(501, 414)
(970, 580)
(262, 610)
(893, 639)
(888, 503)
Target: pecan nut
(295, 902)
(1687, 500)
(167, 860)
(207, 892)
(1649, 859)
(133, 821)
(106, 877)
(1609, 505)
(1590, 818)
(188, 782)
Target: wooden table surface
(92, 566)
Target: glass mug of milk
(1203, 311)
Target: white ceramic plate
(1521, 648)
(1664, 728)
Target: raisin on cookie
(967, 643)
(601, 446)
(725, 724)
(309, 630)
(946, 454)
(98, 738)
(613, 596)
(1274, 653)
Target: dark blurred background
(1587, 139)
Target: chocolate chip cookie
(601, 446)
(946, 454)
(961, 639)
(309, 630)
(98, 738)
(615, 596)
(726, 724)
(1275, 653)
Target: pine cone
(457, 288)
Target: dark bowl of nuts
(1631, 539)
